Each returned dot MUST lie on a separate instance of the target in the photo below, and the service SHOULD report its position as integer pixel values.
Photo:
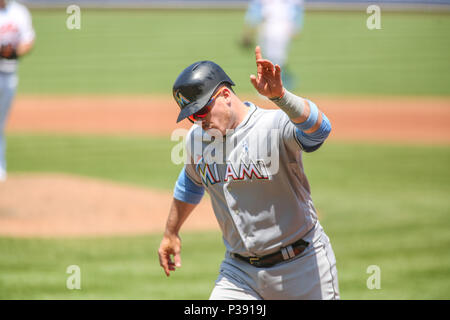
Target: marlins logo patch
(181, 100)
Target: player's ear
(226, 92)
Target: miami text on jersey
(214, 173)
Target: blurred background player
(275, 23)
(16, 39)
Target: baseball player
(275, 245)
(276, 22)
(16, 39)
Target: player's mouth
(206, 126)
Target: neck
(241, 112)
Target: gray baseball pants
(8, 85)
(310, 276)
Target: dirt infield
(62, 205)
(424, 119)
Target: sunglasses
(203, 112)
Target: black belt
(272, 259)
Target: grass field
(143, 52)
(380, 205)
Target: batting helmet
(195, 86)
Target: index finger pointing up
(258, 54)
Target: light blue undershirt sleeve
(293, 106)
(312, 118)
(186, 190)
(317, 137)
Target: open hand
(268, 79)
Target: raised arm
(312, 124)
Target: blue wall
(324, 4)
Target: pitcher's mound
(62, 205)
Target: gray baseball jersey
(254, 176)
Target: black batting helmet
(195, 86)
